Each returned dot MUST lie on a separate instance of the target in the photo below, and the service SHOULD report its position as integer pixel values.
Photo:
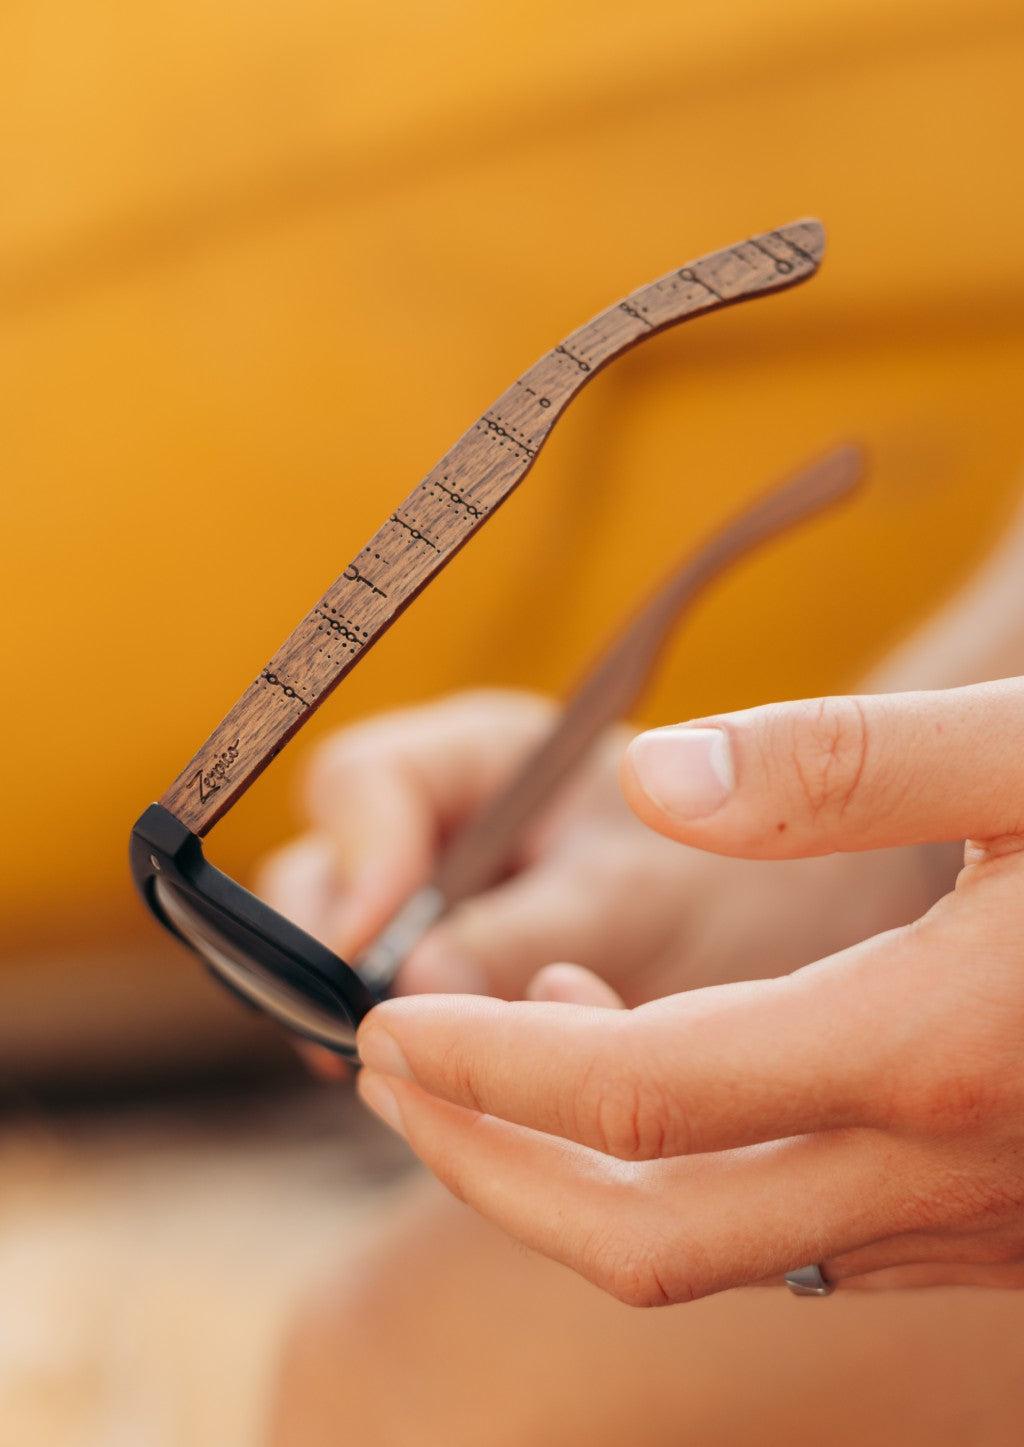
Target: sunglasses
(257, 953)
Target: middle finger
(655, 1232)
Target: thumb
(829, 774)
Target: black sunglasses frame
(486, 465)
(163, 848)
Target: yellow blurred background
(260, 264)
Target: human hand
(381, 798)
(866, 1112)
(589, 882)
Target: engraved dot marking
(564, 351)
(285, 688)
(457, 500)
(787, 241)
(782, 266)
(688, 274)
(634, 312)
(343, 631)
(448, 505)
(414, 532)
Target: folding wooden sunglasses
(250, 948)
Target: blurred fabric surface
(260, 264)
(149, 1261)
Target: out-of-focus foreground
(259, 265)
(150, 1260)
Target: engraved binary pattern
(454, 499)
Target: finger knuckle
(460, 1072)
(954, 1103)
(621, 1110)
(993, 1194)
(968, 1196)
(636, 1253)
(637, 1279)
(829, 752)
(998, 1250)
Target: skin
(377, 800)
(591, 882)
(444, 1332)
(866, 1111)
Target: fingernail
(686, 772)
(379, 1096)
(380, 1051)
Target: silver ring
(809, 1281)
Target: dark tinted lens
(240, 969)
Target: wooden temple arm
(611, 688)
(451, 503)
(481, 852)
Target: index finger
(728, 1066)
(385, 792)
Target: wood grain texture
(483, 850)
(444, 511)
